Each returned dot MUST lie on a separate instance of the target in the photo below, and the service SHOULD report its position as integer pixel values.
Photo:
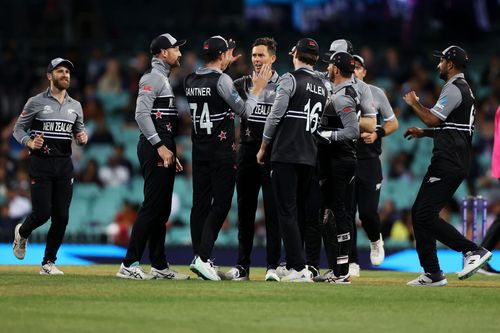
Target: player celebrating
(212, 97)
(250, 176)
(452, 124)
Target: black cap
(360, 59)
(165, 41)
(217, 45)
(340, 45)
(306, 45)
(343, 60)
(455, 54)
(59, 62)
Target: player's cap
(54, 63)
(343, 60)
(165, 41)
(359, 59)
(306, 45)
(340, 45)
(217, 45)
(455, 54)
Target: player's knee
(60, 219)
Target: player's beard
(331, 75)
(62, 84)
(177, 63)
(443, 76)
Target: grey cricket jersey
(384, 114)
(156, 111)
(43, 114)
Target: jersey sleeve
(228, 92)
(345, 107)
(25, 120)
(150, 86)
(366, 101)
(284, 91)
(384, 107)
(79, 125)
(449, 99)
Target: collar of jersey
(342, 85)
(49, 94)
(206, 70)
(456, 76)
(161, 65)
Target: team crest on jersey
(47, 109)
(70, 111)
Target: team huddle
(311, 140)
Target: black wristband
(380, 132)
(158, 145)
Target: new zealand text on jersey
(57, 126)
(315, 89)
(262, 109)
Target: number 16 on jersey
(204, 119)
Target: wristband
(380, 132)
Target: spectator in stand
(101, 134)
(110, 87)
(119, 230)
(89, 175)
(117, 171)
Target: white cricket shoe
(304, 275)
(19, 245)
(354, 269)
(50, 269)
(167, 274)
(473, 261)
(134, 272)
(271, 275)
(282, 271)
(205, 270)
(377, 253)
(429, 280)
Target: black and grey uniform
(213, 101)
(295, 116)
(450, 164)
(337, 165)
(369, 174)
(157, 117)
(250, 177)
(50, 168)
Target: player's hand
(369, 138)
(178, 165)
(167, 156)
(411, 98)
(36, 142)
(81, 138)
(231, 56)
(260, 80)
(413, 133)
(261, 156)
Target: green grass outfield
(91, 299)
